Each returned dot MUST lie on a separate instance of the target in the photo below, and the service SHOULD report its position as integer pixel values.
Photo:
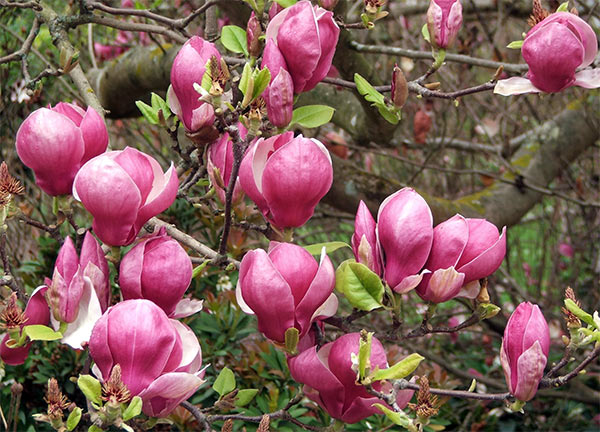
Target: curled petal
(95, 134)
(165, 393)
(187, 307)
(443, 285)
(530, 369)
(515, 86)
(588, 78)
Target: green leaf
(367, 90)
(234, 39)
(363, 288)
(315, 249)
(91, 388)
(261, 81)
(73, 419)
(286, 3)
(133, 409)
(312, 116)
(199, 268)
(425, 33)
(579, 313)
(400, 370)
(515, 44)
(399, 418)
(159, 103)
(94, 428)
(244, 397)
(41, 333)
(564, 7)
(225, 382)
(246, 77)
(364, 353)
(148, 112)
(206, 83)
(392, 116)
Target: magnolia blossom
(286, 177)
(158, 269)
(79, 290)
(405, 235)
(329, 378)
(56, 142)
(279, 98)
(220, 158)
(188, 69)
(463, 251)
(36, 313)
(554, 50)
(286, 288)
(444, 19)
(301, 39)
(160, 358)
(524, 350)
(122, 190)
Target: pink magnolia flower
(463, 251)
(524, 350)
(329, 378)
(188, 68)
(444, 19)
(79, 290)
(56, 142)
(122, 190)
(566, 250)
(364, 240)
(286, 177)
(305, 36)
(157, 269)
(286, 288)
(36, 312)
(220, 157)
(405, 235)
(160, 358)
(554, 49)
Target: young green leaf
(244, 397)
(148, 112)
(73, 419)
(391, 116)
(315, 249)
(363, 288)
(564, 7)
(225, 382)
(41, 332)
(261, 81)
(399, 418)
(425, 33)
(159, 103)
(515, 44)
(400, 370)
(234, 39)
(579, 313)
(134, 408)
(91, 388)
(312, 116)
(286, 3)
(364, 353)
(367, 90)
(246, 77)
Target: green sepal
(400, 370)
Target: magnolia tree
(316, 195)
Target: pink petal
(266, 292)
(405, 233)
(273, 59)
(95, 134)
(130, 272)
(295, 179)
(110, 195)
(165, 393)
(530, 369)
(191, 359)
(187, 307)
(515, 86)
(321, 288)
(52, 146)
(94, 265)
(485, 262)
(588, 78)
(13, 356)
(443, 285)
(329, 33)
(296, 265)
(340, 357)
(137, 165)
(364, 240)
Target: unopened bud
(328, 4)
(253, 32)
(399, 87)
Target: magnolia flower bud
(444, 19)
(524, 350)
(253, 32)
(328, 4)
(56, 142)
(399, 87)
(286, 288)
(160, 358)
(364, 240)
(122, 190)
(286, 177)
(305, 36)
(280, 99)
